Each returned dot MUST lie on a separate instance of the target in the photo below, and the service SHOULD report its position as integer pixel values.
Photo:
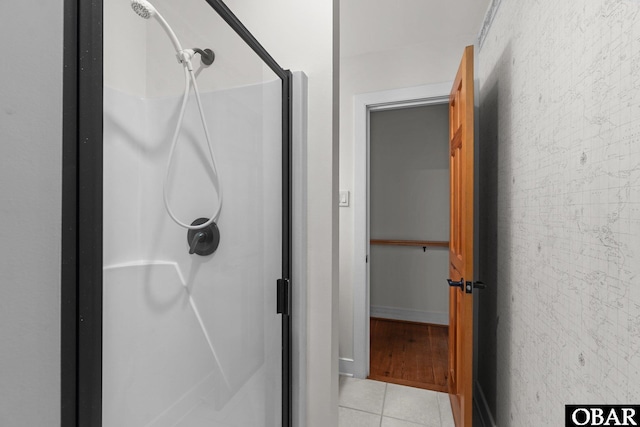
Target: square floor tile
(354, 418)
(412, 404)
(364, 395)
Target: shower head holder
(185, 55)
(203, 241)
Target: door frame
(82, 213)
(364, 104)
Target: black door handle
(459, 284)
(466, 286)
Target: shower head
(146, 10)
(143, 8)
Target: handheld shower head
(146, 10)
(143, 8)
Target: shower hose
(190, 79)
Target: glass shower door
(188, 339)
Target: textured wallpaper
(559, 208)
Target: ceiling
(368, 26)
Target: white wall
(30, 194)
(390, 47)
(559, 219)
(125, 48)
(198, 25)
(409, 176)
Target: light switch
(344, 199)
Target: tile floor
(368, 403)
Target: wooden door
(461, 242)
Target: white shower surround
(148, 265)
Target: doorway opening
(389, 252)
(409, 231)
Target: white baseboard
(483, 408)
(345, 366)
(434, 317)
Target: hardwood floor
(409, 353)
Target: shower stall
(177, 286)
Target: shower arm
(206, 56)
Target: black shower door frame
(82, 220)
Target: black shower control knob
(203, 241)
(200, 236)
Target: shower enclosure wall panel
(158, 365)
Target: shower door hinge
(284, 296)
